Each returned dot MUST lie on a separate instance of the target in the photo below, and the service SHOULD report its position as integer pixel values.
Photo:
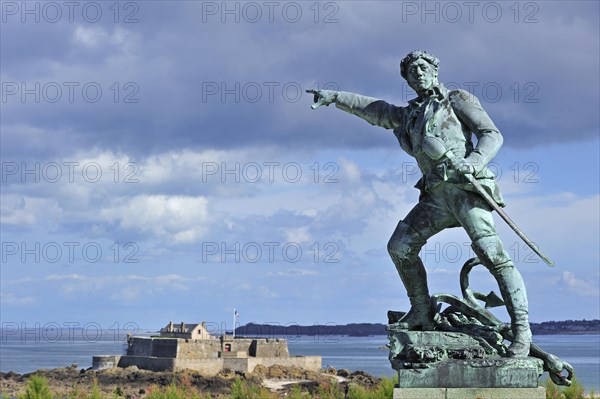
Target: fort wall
(173, 350)
(148, 363)
(208, 367)
(154, 347)
(201, 349)
(270, 348)
(212, 367)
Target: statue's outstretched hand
(322, 97)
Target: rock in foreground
(135, 383)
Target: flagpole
(234, 311)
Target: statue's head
(420, 69)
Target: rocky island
(190, 346)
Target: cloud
(65, 277)
(441, 270)
(298, 235)
(90, 36)
(128, 287)
(580, 287)
(14, 299)
(184, 123)
(22, 210)
(162, 66)
(568, 215)
(350, 170)
(178, 218)
(266, 292)
(174, 201)
(294, 273)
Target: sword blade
(507, 219)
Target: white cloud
(311, 212)
(588, 287)
(179, 218)
(95, 36)
(441, 270)
(127, 294)
(127, 287)
(65, 277)
(14, 299)
(562, 224)
(28, 210)
(298, 235)
(90, 36)
(267, 293)
(350, 170)
(294, 273)
(163, 167)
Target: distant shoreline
(568, 327)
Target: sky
(161, 162)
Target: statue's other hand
(464, 167)
(322, 97)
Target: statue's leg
(423, 221)
(492, 254)
(475, 216)
(404, 248)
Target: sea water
(24, 354)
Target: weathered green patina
(468, 339)
(457, 189)
(448, 199)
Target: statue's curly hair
(415, 55)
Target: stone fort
(190, 346)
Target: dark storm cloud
(180, 77)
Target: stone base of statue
(469, 393)
(440, 364)
(465, 357)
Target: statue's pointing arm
(489, 140)
(376, 112)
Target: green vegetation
(38, 388)
(241, 390)
(385, 389)
(174, 392)
(575, 391)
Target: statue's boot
(413, 275)
(492, 255)
(514, 296)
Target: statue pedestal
(470, 393)
(450, 365)
(473, 373)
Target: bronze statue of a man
(447, 198)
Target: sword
(435, 149)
